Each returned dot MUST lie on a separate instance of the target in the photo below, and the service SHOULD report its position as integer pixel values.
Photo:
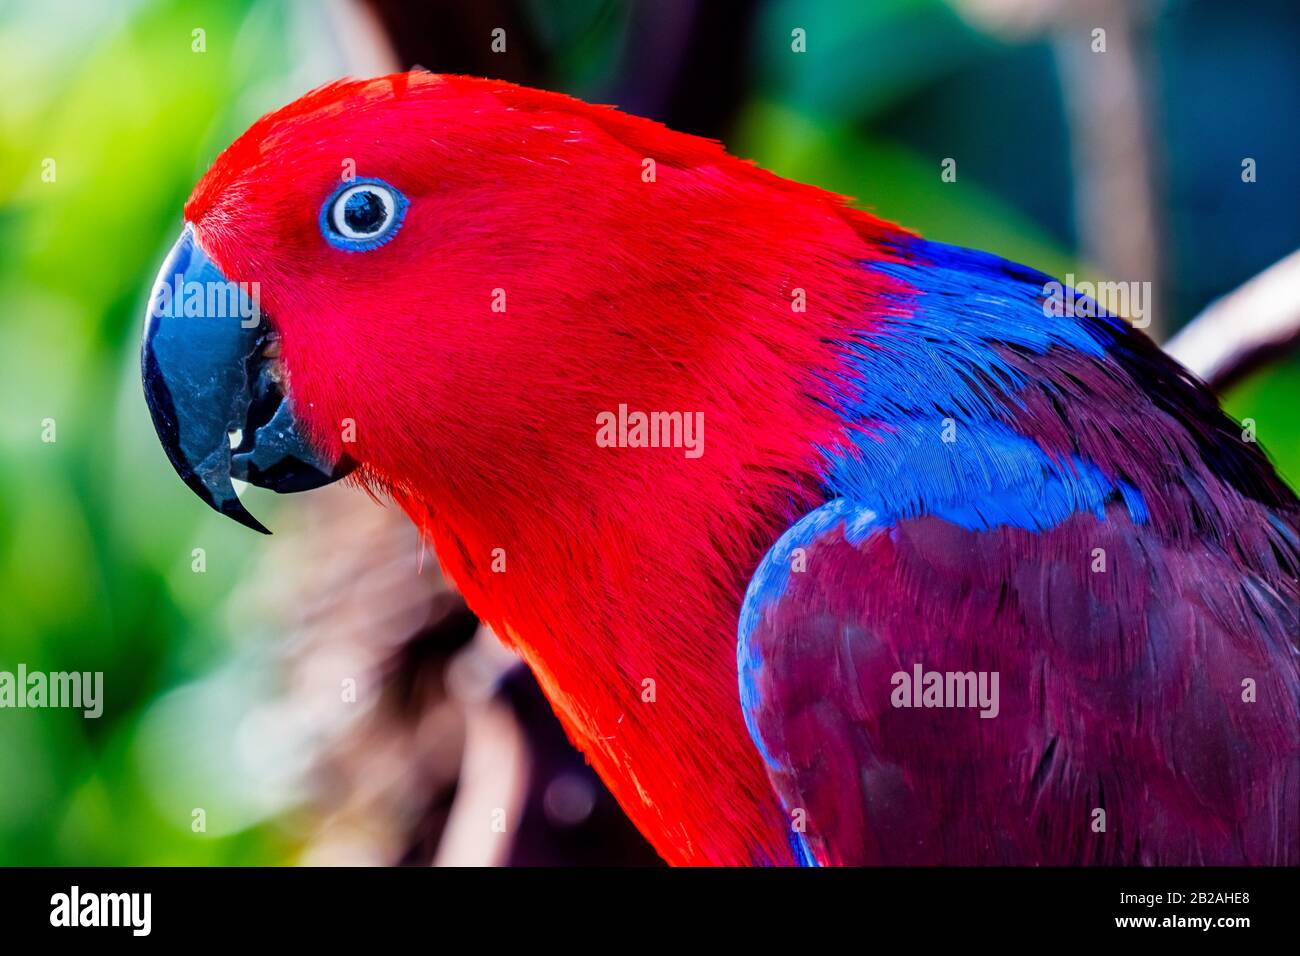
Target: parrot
(828, 544)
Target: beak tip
(234, 509)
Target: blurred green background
(97, 536)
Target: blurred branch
(1108, 106)
(494, 773)
(1246, 329)
(1107, 101)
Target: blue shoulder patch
(935, 384)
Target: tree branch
(1246, 329)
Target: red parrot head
(417, 272)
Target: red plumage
(674, 294)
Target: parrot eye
(362, 215)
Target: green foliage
(95, 532)
(1270, 400)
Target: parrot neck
(619, 572)
(628, 617)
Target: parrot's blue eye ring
(362, 214)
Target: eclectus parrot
(943, 574)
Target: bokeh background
(222, 685)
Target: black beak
(212, 380)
